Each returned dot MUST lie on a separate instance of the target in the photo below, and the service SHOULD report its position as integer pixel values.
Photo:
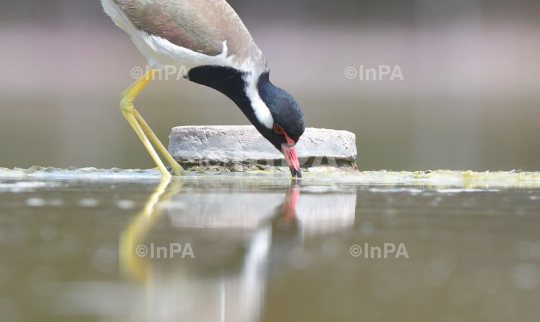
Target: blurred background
(469, 98)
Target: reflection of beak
(289, 151)
(289, 206)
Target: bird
(208, 42)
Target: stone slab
(243, 148)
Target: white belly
(160, 52)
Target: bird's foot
(176, 170)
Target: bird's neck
(233, 84)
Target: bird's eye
(279, 129)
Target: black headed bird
(207, 40)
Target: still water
(117, 245)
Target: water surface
(260, 247)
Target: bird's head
(273, 111)
(288, 121)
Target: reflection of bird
(207, 40)
(135, 233)
(289, 205)
(286, 229)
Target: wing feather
(199, 25)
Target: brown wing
(198, 25)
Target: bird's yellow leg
(127, 98)
(133, 122)
(175, 167)
(126, 105)
(148, 76)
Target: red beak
(289, 151)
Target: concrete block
(243, 148)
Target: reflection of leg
(131, 260)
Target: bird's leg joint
(126, 105)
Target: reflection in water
(285, 224)
(134, 234)
(474, 249)
(235, 235)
